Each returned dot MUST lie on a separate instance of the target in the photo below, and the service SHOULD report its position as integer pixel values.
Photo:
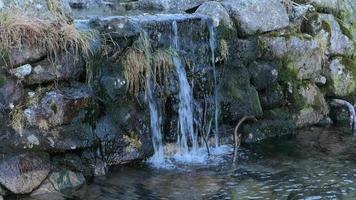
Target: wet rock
(22, 173)
(312, 104)
(217, 12)
(58, 107)
(264, 129)
(263, 74)
(71, 162)
(239, 97)
(341, 81)
(180, 5)
(123, 140)
(252, 17)
(65, 67)
(340, 116)
(340, 44)
(3, 191)
(113, 86)
(95, 162)
(78, 3)
(22, 71)
(65, 180)
(271, 97)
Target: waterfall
(186, 128)
(216, 100)
(158, 158)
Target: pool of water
(315, 164)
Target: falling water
(158, 158)
(185, 103)
(216, 100)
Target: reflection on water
(316, 164)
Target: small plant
(18, 29)
(17, 119)
(224, 50)
(139, 63)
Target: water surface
(315, 164)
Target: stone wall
(68, 117)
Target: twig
(237, 138)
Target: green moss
(54, 108)
(3, 79)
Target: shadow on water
(315, 164)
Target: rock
(178, 5)
(78, 4)
(118, 146)
(301, 56)
(252, 17)
(264, 129)
(245, 50)
(299, 12)
(65, 67)
(217, 12)
(46, 188)
(2, 5)
(58, 107)
(311, 24)
(114, 87)
(272, 97)
(94, 161)
(65, 181)
(340, 44)
(23, 55)
(22, 173)
(22, 71)
(72, 162)
(263, 74)
(239, 97)
(10, 93)
(341, 81)
(3, 191)
(312, 105)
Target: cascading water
(158, 158)
(216, 98)
(186, 128)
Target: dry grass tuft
(139, 61)
(17, 29)
(17, 119)
(224, 50)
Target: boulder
(217, 12)
(238, 97)
(340, 44)
(23, 55)
(65, 180)
(263, 74)
(261, 16)
(58, 107)
(271, 97)
(302, 56)
(93, 160)
(64, 67)
(312, 24)
(264, 129)
(341, 81)
(122, 144)
(22, 173)
(177, 5)
(245, 50)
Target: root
(351, 109)
(237, 137)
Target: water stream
(186, 127)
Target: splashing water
(216, 100)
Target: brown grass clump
(140, 62)
(17, 119)
(224, 50)
(17, 29)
